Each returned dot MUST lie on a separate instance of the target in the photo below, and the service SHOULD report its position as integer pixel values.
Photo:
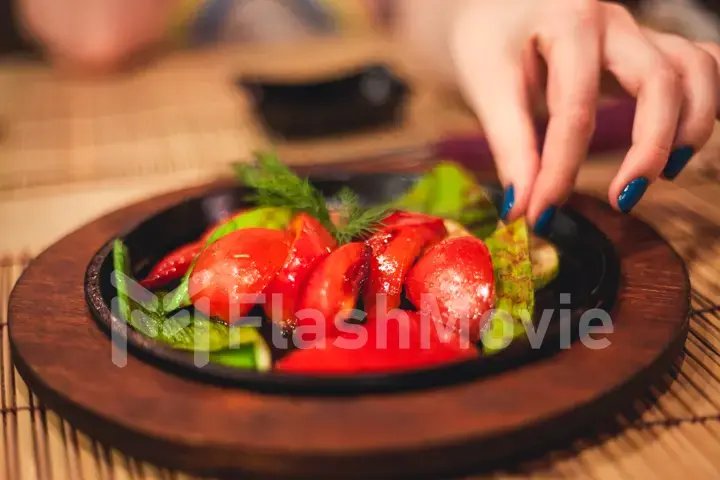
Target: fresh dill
(355, 220)
(273, 184)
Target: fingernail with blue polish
(677, 161)
(542, 225)
(508, 202)
(632, 194)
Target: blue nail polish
(542, 225)
(632, 194)
(677, 161)
(508, 202)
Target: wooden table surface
(73, 150)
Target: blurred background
(321, 81)
(112, 131)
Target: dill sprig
(355, 220)
(275, 185)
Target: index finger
(573, 56)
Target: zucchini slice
(545, 262)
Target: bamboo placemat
(72, 151)
(186, 113)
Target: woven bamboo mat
(66, 131)
(71, 151)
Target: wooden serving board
(159, 416)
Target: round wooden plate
(180, 422)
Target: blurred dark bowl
(356, 101)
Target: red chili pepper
(173, 266)
(176, 263)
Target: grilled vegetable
(443, 240)
(451, 192)
(121, 265)
(514, 290)
(242, 345)
(252, 353)
(545, 262)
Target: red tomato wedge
(231, 273)
(395, 248)
(392, 346)
(312, 242)
(455, 280)
(331, 291)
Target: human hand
(504, 54)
